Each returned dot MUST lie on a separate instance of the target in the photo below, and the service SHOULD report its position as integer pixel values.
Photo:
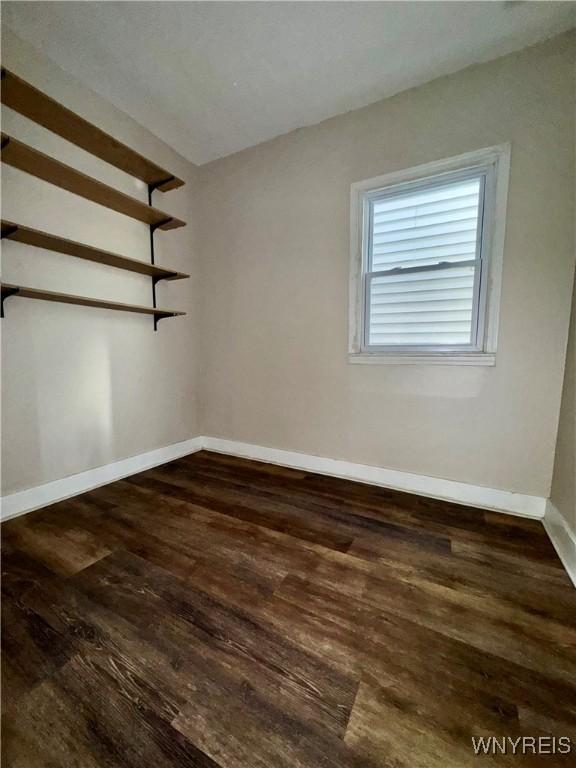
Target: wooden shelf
(65, 298)
(36, 163)
(37, 106)
(35, 237)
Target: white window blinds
(423, 264)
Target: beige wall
(84, 387)
(563, 494)
(262, 354)
(274, 275)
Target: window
(426, 261)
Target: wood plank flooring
(223, 613)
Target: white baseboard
(563, 539)
(449, 490)
(33, 498)
(497, 500)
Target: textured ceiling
(213, 78)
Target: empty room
(288, 373)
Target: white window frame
(493, 163)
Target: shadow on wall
(65, 408)
(74, 396)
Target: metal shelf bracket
(5, 294)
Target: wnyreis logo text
(521, 745)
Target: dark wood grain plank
(243, 728)
(223, 634)
(63, 550)
(83, 717)
(20, 572)
(276, 515)
(401, 726)
(385, 643)
(217, 611)
(31, 650)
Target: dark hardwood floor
(217, 612)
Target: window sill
(430, 358)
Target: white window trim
(494, 231)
